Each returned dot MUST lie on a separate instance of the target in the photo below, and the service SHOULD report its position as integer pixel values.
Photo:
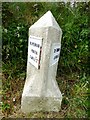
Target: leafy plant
(5, 106)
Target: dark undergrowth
(74, 89)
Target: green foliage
(74, 24)
(14, 48)
(5, 106)
(75, 98)
(75, 40)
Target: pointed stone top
(45, 21)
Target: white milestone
(41, 91)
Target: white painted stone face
(41, 91)
(34, 51)
(55, 53)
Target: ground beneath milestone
(11, 100)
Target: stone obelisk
(41, 91)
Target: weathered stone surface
(41, 92)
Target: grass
(75, 98)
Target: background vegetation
(73, 68)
